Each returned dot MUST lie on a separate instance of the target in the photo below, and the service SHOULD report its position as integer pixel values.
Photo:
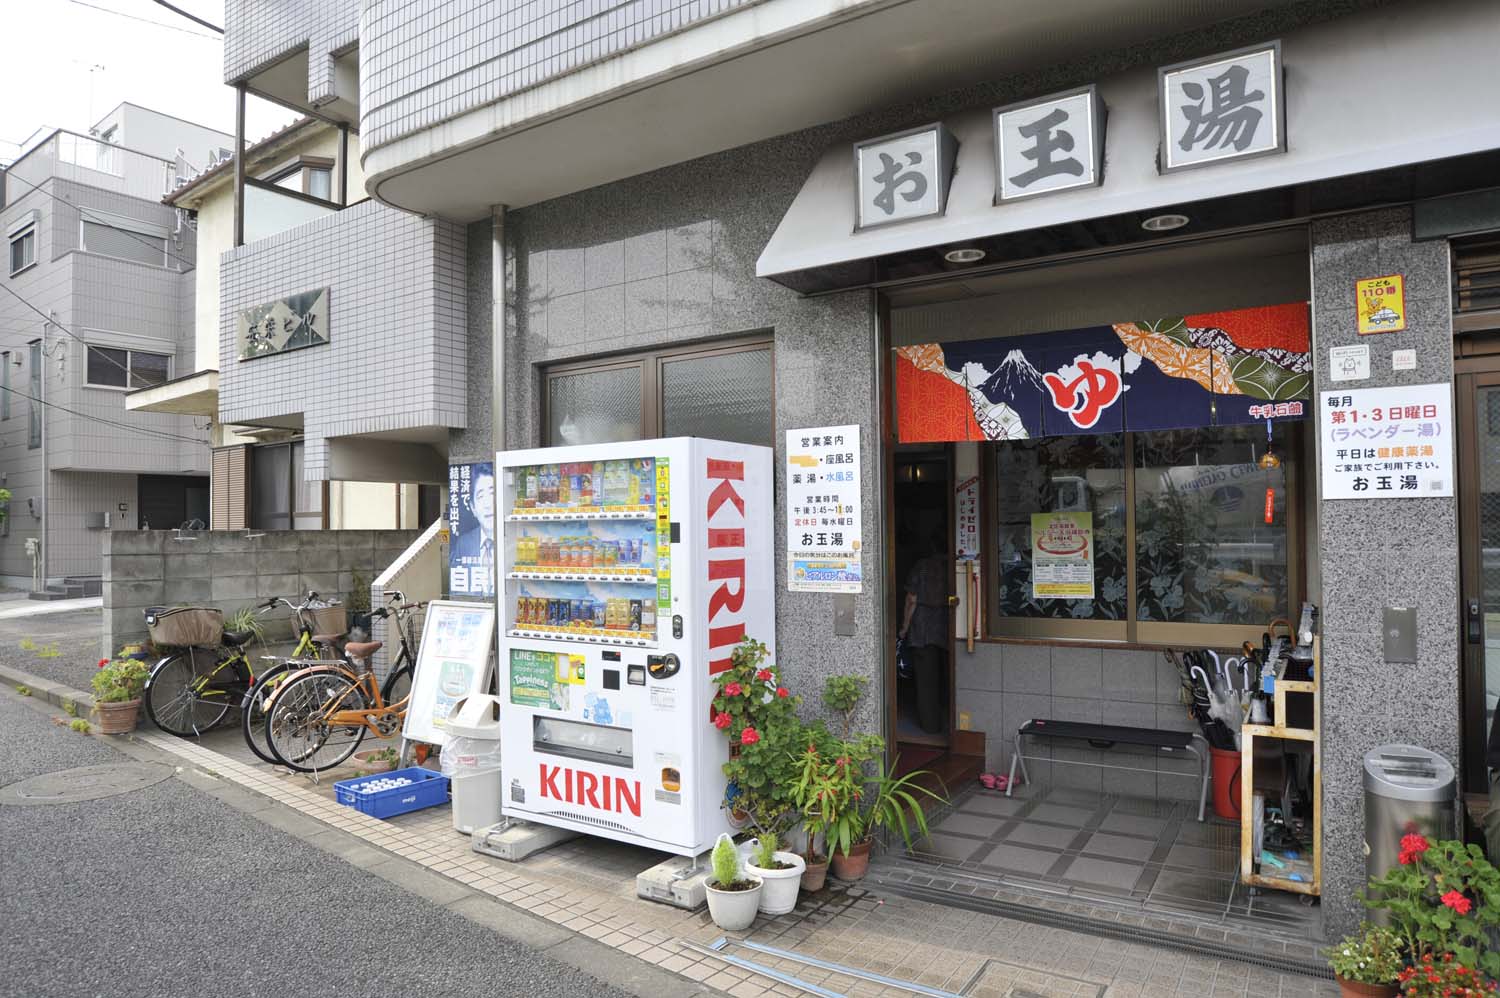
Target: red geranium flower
(1405, 858)
(749, 736)
(733, 689)
(1414, 844)
(722, 720)
(1457, 902)
(782, 691)
(763, 675)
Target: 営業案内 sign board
(823, 509)
(453, 662)
(1387, 443)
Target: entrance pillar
(1375, 553)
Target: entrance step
(49, 594)
(87, 585)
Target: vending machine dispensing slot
(582, 741)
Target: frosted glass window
(724, 396)
(594, 407)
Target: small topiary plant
(726, 860)
(79, 725)
(765, 853)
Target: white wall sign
(904, 176)
(1351, 363)
(1403, 360)
(1052, 144)
(453, 662)
(966, 520)
(1230, 106)
(1387, 443)
(823, 509)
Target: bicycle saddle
(327, 639)
(362, 649)
(233, 639)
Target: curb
(45, 689)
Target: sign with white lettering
(1387, 443)
(823, 508)
(1227, 107)
(291, 323)
(903, 176)
(1052, 144)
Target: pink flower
(763, 676)
(722, 720)
(1457, 902)
(749, 736)
(782, 691)
(733, 689)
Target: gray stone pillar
(1380, 552)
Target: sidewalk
(841, 941)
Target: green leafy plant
(841, 695)
(70, 706)
(359, 595)
(25, 691)
(119, 680)
(28, 645)
(894, 804)
(1371, 956)
(48, 651)
(246, 619)
(726, 863)
(759, 716)
(4, 505)
(1444, 977)
(1443, 897)
(765, 852)
(79, 725)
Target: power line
(191, 17)
(147, 20)
(106, 420)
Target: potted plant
(1366, 964)
(733, 899)
(117, 693)
(1440, 897)
(1444, 977)
(780, 874)
(381, 760)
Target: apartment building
(978, 238)
(98, 301)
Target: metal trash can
(1408, 789)
(471, 760)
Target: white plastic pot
(734, 910)
(778, 893)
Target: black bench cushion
(1108, 734)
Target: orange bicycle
(318, 717)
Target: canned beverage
(635, 615)
(555, 612)
(648, 615)
(578, 612)
(599, 614)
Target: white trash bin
(471, 761)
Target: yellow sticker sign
(1382, 304)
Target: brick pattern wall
(423, 63)
(396, 357)
(258, 33)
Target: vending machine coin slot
(663, 666)
(676, 532)
(677, 625)
(636, 675)
(611, 679)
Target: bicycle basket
(329, 619)
(187, 626)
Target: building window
(1193, 533)
(34, 385)
(5, 385)
(311, 177)
(279, 498)
(125, 244)
(113, 368)
(22, 250)
(723, 391)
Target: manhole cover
(84, 783)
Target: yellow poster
(1382, 304)
(570, 669)
(1062, 555)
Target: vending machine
(631, 572)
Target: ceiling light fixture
(969, 254)
(1164, 223)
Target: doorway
(168, 501)
(923, 598)
(1477, 391)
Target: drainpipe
(497, 351)
(239, 165)
(344, 164)
(46, 472)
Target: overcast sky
(69, 62)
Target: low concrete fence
(230, 569)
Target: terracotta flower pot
(815, 876)
(854, 864)
(368, 762)
(117, 718)
(1356, 989)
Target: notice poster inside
(1387, 443)
(453, 662)
(823, 510)
(1062, 555)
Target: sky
(69, 62)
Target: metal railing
(69, 156)
(420, 572)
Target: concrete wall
(234, 569)
(258, 33)
(1381, 552)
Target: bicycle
(320, 715)
(191, 689)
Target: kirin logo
(602, 793)
(725, 516)
(1085, 388)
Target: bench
(1107, 736)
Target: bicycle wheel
(253, 710)
(397, 685)
(184, 694)
(297, 730)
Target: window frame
(141, 229)
(284, 450)
(1131, 631)
(129, 367)
(306, 166)
(650, 363)
(26, 232)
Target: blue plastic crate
(427, 789)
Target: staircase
(71, 587)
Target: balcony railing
(84, 160)
(270, 210)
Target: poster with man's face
(471, 529)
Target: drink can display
(555, 612)
(578, 612)
(599, 615)
(575, 485)
(648, 616)
(635, 615)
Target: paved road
(168, 891)
(73, 635)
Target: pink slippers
(992, 781)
